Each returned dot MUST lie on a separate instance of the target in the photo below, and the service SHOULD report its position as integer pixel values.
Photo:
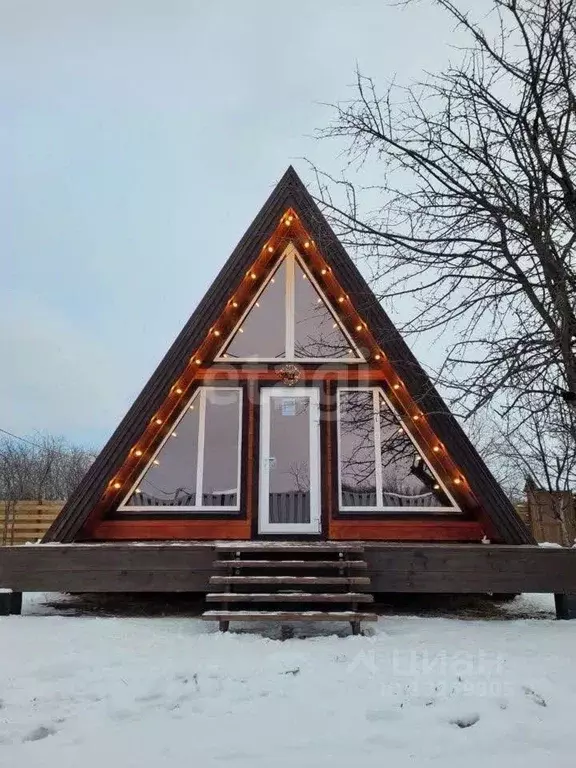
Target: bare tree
(44, 468)
(534, 457)
(476, 212)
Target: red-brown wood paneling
(406, 530)
(159, 530)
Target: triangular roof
(290, 194)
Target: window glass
(221, 436)
(263, 330)
(406, 479)
(209, 434)
(170, 480)
(380, 468)
(316, 332)
(357, 449)
(289, 461)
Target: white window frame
(378, 392)
(291, 256)
(314, 526)
(199, 396)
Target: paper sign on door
(288, 406)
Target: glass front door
(289, 460)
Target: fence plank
(26, 520)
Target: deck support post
(223, 626)
(356, 628)
(565, 606)
(501, 597)
(10, 603)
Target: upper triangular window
(290, 319)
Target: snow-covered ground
(101, 692)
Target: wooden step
(287, 616)
(288, 546)
(336, 580)
(289, 597)
(290, 564)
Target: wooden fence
(550, 516)
(24, 520)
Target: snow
(169, 692)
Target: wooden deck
(187, 567)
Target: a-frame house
(289, 405)
(289, 416)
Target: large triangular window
(290, 319)
(381, 468)
(197, 466)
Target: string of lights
(348, 315)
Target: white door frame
(264, 524)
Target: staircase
(289, 581)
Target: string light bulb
(341, 299)
(158, 421)
(178, 390)
(216, 332)
(323, 271)
(138, 452)
(457, 481)
(117, 485)
(174, 434)
(416, 417)
(358, 327)
(396, 386)
(436, 449)
(156, 463)
(307, 244)
(198, 361)
(253, 275)
(376, 356)
(436, 487)
(235, 304)
(270, 249)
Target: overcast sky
(138, 139)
